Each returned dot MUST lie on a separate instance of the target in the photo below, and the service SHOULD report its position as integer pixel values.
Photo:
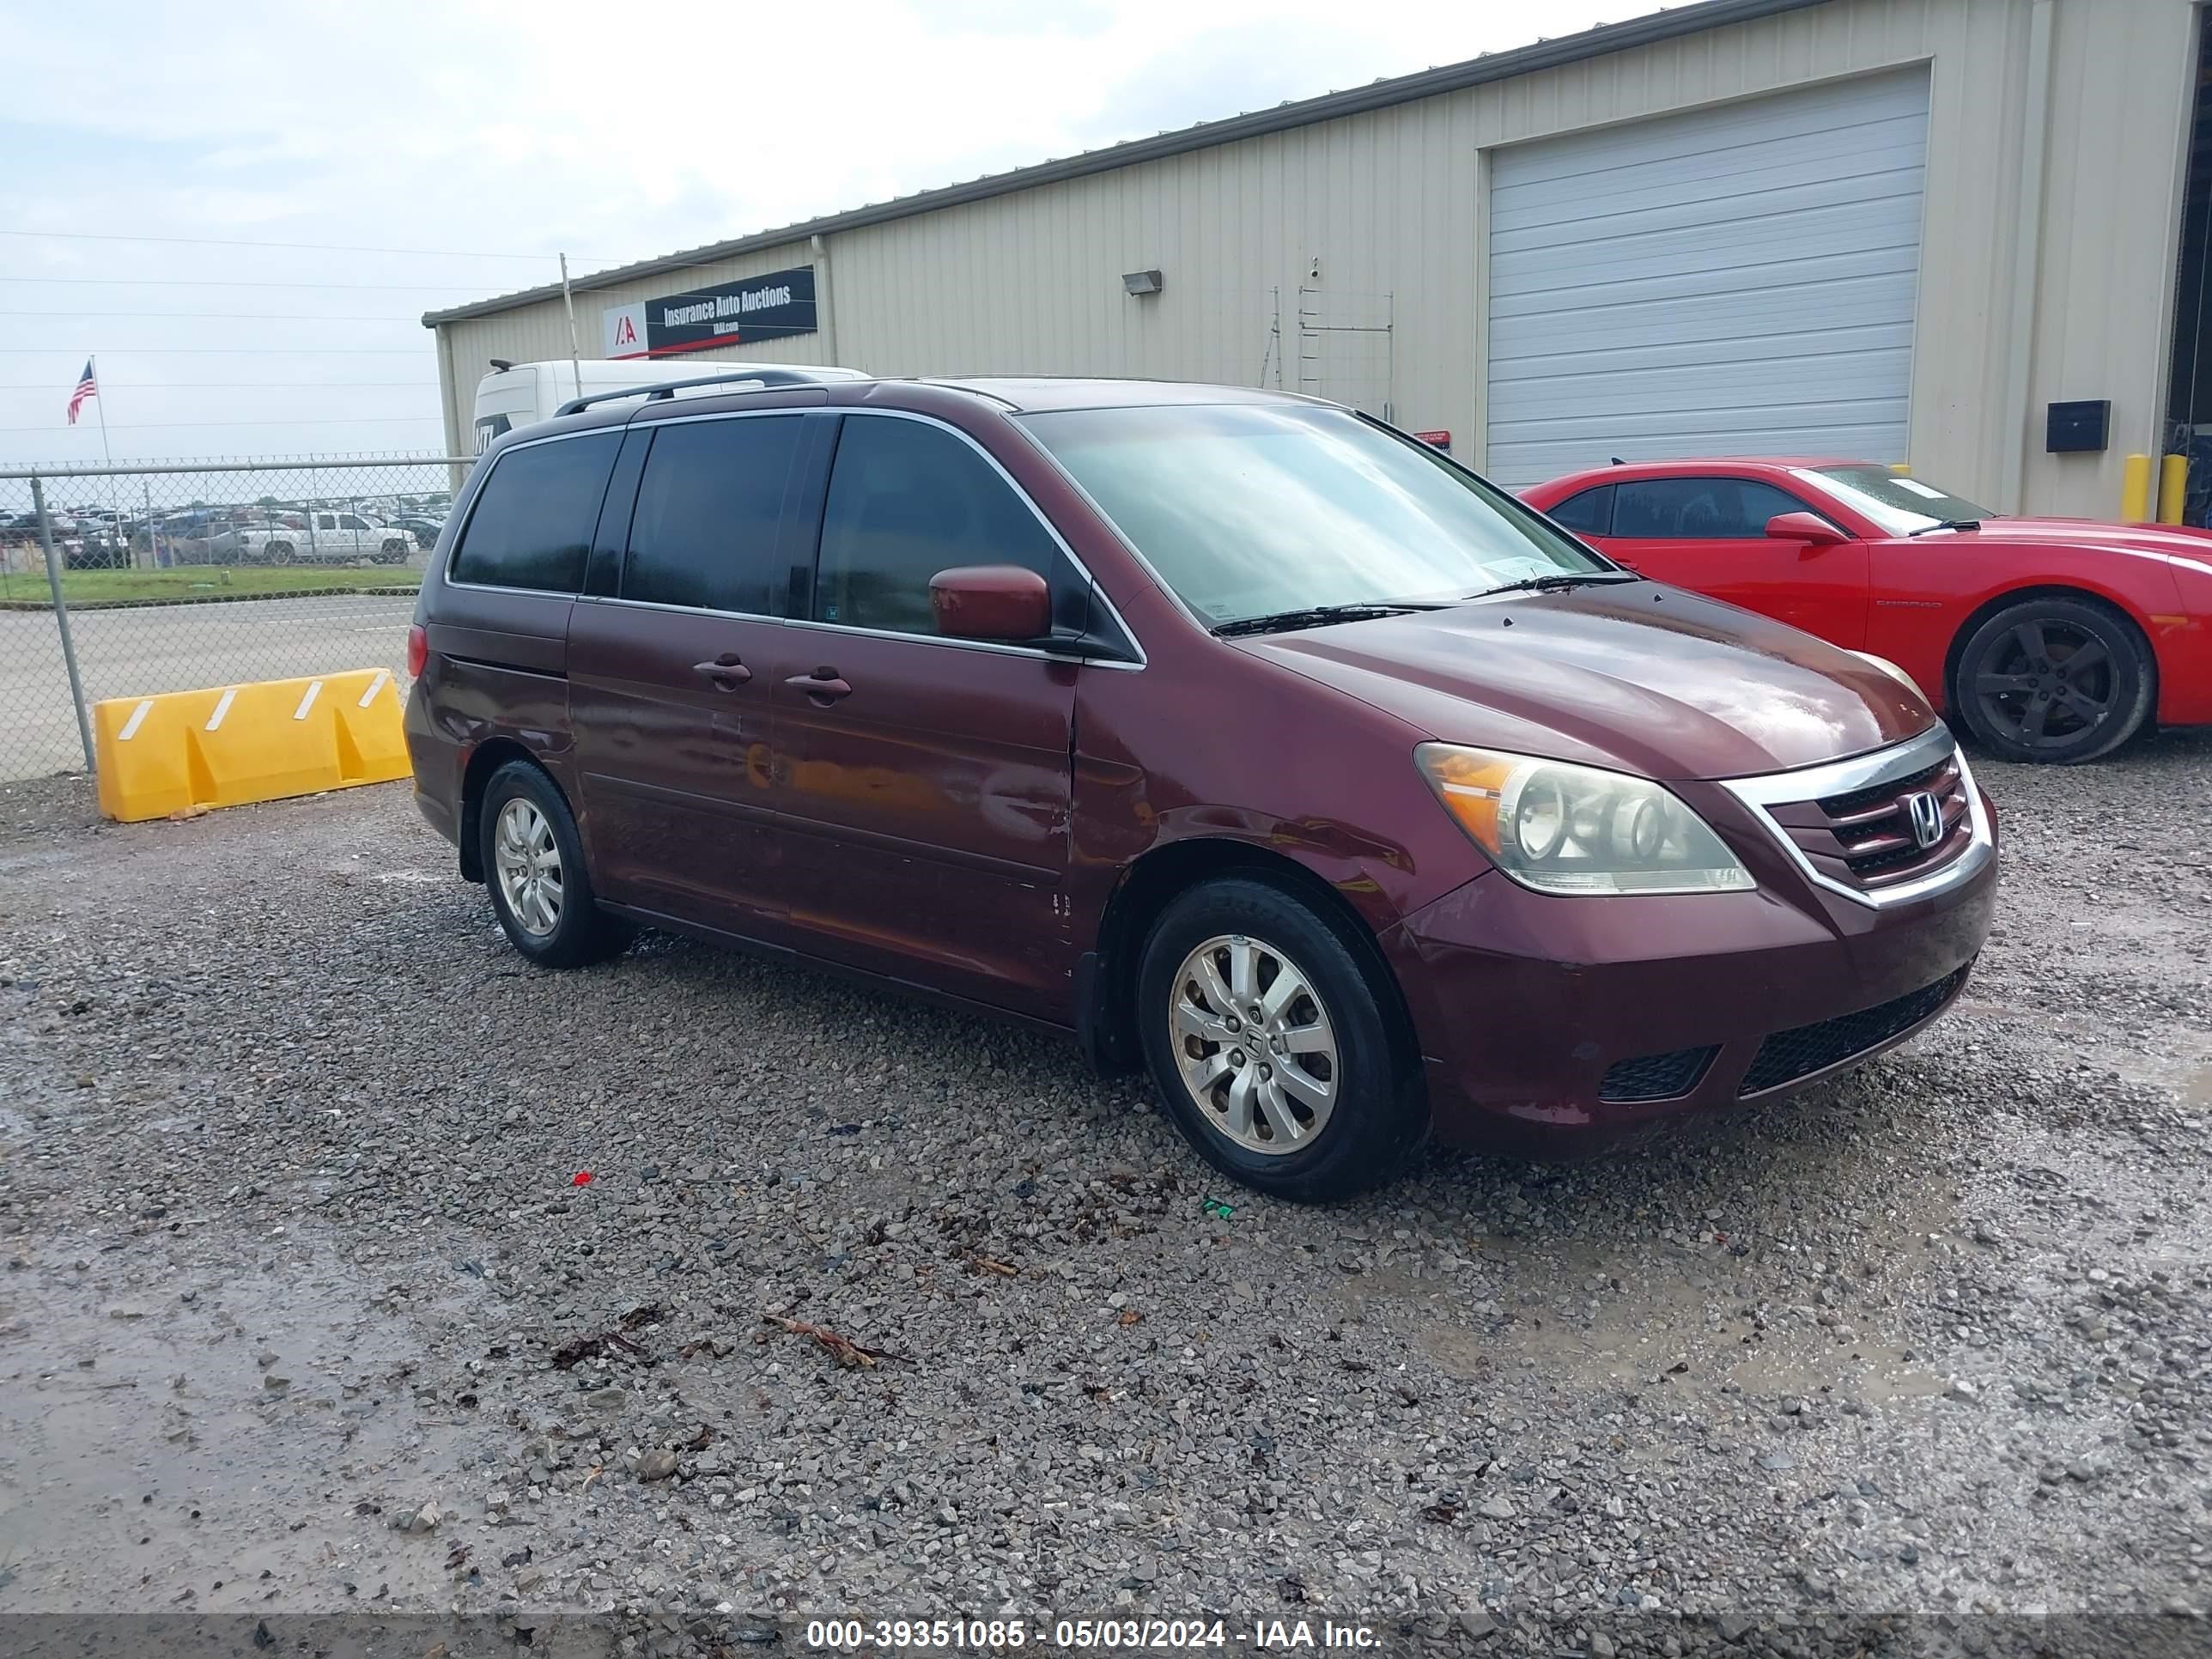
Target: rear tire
(1316, 1100)
(2054, 681)
(533, 865)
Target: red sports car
(2050, 639)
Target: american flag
(86, 387)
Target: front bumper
(1546, 1022)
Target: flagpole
(116, 530)
(102, 402)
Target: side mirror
(1808, 527)
(1002, 602)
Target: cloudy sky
(243, 209)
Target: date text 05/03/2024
(1085, 1635)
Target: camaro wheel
(533, 863)
(2054, 680)
(1265, 1032)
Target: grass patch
(90, 587)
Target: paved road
(176, 647)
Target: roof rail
(763, 377)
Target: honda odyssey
(1241, 736)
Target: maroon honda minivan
(1235, 733)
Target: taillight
(418, 650)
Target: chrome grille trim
(1845, 777)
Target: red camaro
(2050, 639)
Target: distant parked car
(425, 528)
(99, 548)
(2052, 640)
(326, 536)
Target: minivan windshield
(1257, 510)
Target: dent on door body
(926, 813)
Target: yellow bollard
(2135, 491)
(1903, 469)
(2173, 488)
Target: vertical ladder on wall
(1347, 348)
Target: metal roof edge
(1379, 94)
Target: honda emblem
(1925, 813)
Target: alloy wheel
(1255, 1046)
(2045, 684)
(529, 867)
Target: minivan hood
(1641, 677)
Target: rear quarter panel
(1926, 593)
(497, 668)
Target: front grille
(1865, 839)
(1788, 1055)
(1655, 1077)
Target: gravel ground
(303, 1311)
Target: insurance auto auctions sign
(769, 308)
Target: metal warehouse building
(1897, 229)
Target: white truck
(325, 535)
(521, 394)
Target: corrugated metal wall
(1321, 223)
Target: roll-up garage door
(1733, 280)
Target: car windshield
(1250, 510)
(1900, 504)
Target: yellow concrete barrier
(181, 751)
(2173, 488)
(2135, 489)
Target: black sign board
(770, 308)
(2072, 428)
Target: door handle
(725, 671)
(823, 686)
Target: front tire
(533, 865)
(2054, 681)
(1267, 1034)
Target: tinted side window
(1703, 508)
(905, 501)
(534, 519)
(710, 507)
(1587, 512)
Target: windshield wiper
(1558, 581)
(1319, 615)
(1948, 524)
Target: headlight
(1575, 830)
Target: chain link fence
(120, 582)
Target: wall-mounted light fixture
(1135, 282)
